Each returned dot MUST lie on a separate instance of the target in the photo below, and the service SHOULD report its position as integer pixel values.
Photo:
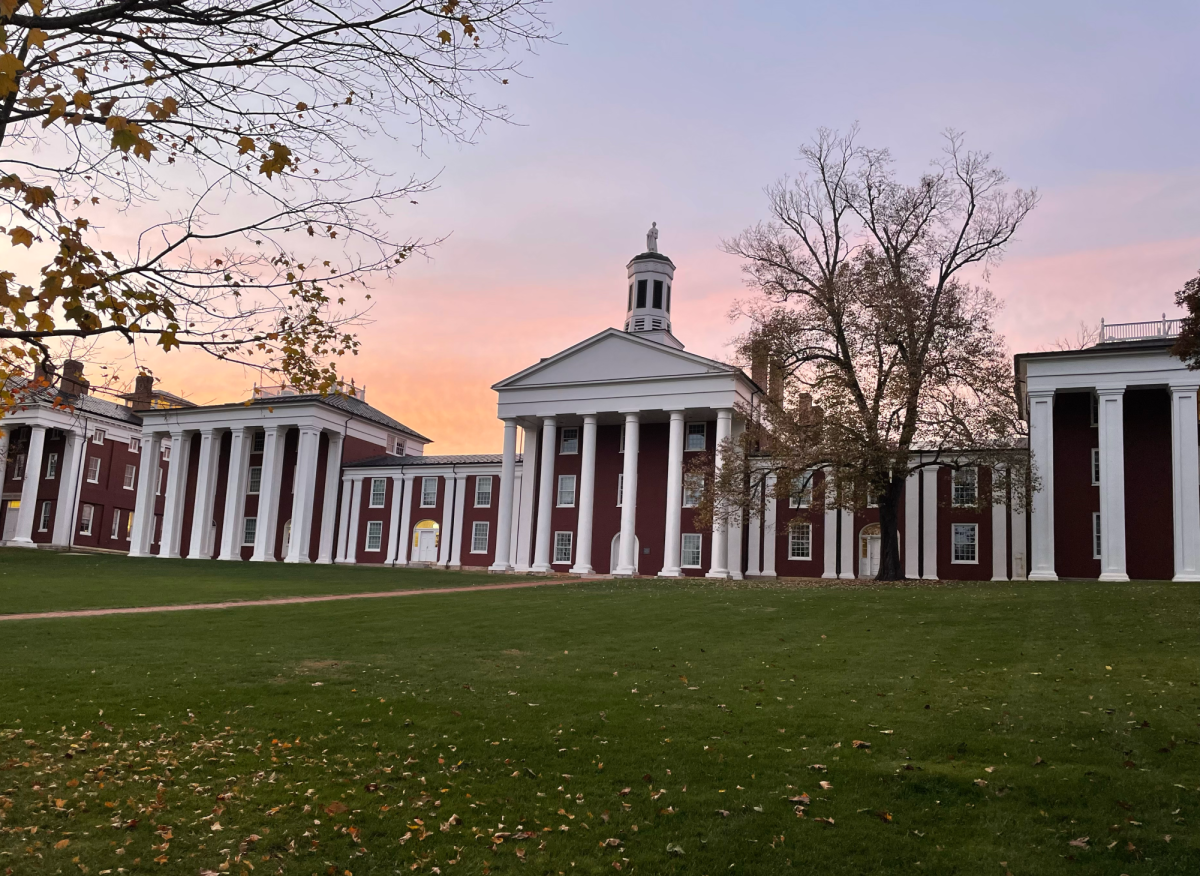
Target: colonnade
(68, 478)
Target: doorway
(10, 519)
(868, 551)
(614, 558)
(425, 542)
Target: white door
(872, 556)
(426, 546)
(287, 537)
(10, 519)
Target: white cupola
(650, 276)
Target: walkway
(281, 600)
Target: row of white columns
(69, 484)
(200, 544)
(1185, 483)
(512, 552)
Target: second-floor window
(428, 492)
(695, 437)
(135, 445)
(130, 477)
(19, 467)
(965, 487)
(378, 492)
(254, 481)
(93, 470)
(1095, 466)
(258, 442)
(801, 492)
(570, 441)
(51, 466)
(566, 491)
(483, 491)
(98, 436)
(693, 489)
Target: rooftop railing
(284, 389)
(1139, 331)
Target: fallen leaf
(828, 821)
(337, 807)
(858, 743)
(1080, 843)
(826, 786)
(62, 844)
(675, 848)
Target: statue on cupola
(651, 273)
(652, 238)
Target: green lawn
(657, 726)
(33, 581)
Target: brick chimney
(143, 393)
(39, 374)
(73, 381)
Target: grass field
(649, 727)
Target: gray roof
(387, 461)
(88, 405)
(651, 257)
(345, 403)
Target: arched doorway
(287, 539)
(425, 542)
(868, 551)
(614, 558)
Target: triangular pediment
(614, 355)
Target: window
(658, 289)
(965, 543)
(374, 534)
(1094, 411)
(641, 293)
(51, 466)
(668, 307)
(695, 436)
(479, 537)
(158, 486)
(128, 525)
(630, 297)
(801, 492)
(19, 469)
(115, 535)
(98, 436)
(569, 443)
(135, 446)
(86, 513)
(964, 492)
(693, 489)
(249, 530)
(620, 488)
(800, 541)
(130, 477)
(93, 473)
(378, 492)
(44, 516)
(689, 554)
(621, 440)
(1096, 535)
(562, 546)
(566, 491)
(1095, 466)
(166, 451)
(254, 481)
(428, 492)
(259, 442)
(483, 491)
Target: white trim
(426, 480)
(87, 516)
(688, 433)
(563, 439)
(561, 536)
(44, 515)
(1097, 535)
(478, 480)
(130, 480)
(475, 531)
(567, 483)
(698, 539)
(93, 470)
(794, 530)
(954, 529)
(380, 485)
(51, 466)
(374, 530)
(249, 531)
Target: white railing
(283, 389)
(1139, 331)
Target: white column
(504, 515)
(672, 543)
(202, 506)
(1185, 482)
(999, 526)
(446, 524)
(929, 514)
(754, 551)
(528, 483)
(456, 537)
(1041, 511)
(393, 543)
(23, 537)
(329, 501)
(344, 525)
(1019, 554)
(404, 538)
(912, 525)
(1112, 484)
(68, 489)
(770, 527)
(587, 499)
(627, 546)
(541, 551)
(831, 522)
(513, 539)
(147, 484)
(268, 495)
(305, 494)
(848, 543)
(176, 488)
(719, 567)
(356, 483)
(232, 532)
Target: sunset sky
(681, 112)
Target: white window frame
(1095, 466)
(693, 489)
(483, 498)
(378, 496)
(98, 436)
(425, 485)
(693, 430)
(621, 439)
(480, 533)
(568, 441)
(253, 483)
(258, 443)
(51, 466)
(620, 488)
(87, 515)
(135, 445)
(955, 528)
(44, 515)
(130, 477)
(19, 467)
(564, 544)
(801, 497)
(565, 497)
(166, 451)
(158, 486)
(1097, 535)
(249, 531)
(93, 470)
(955, 474)
(115, 535)
(695, 539)
(374, 536)
(800, 541)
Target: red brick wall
(367, 513)
(471, 514)
(948, 515)
(1075, 499)
(1149, 523)
(815, 567)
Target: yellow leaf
(278, 161)
(21, 235)
(444, 36)
(82, 100)
(37, 38)
(245, 144)
(62, 844)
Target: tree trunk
(890, 568)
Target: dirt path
(282, 600)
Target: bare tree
(253, 120)
(882, 357)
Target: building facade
(598, 473)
